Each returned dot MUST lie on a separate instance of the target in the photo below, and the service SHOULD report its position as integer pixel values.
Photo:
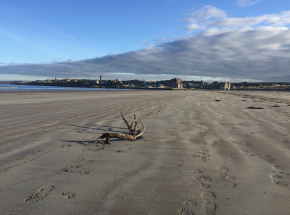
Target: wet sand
(206, 152)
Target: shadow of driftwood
(81, 142)
(99, 128)
(90, 143)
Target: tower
(101, 77)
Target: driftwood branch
(133, 128)
(125, 120)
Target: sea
(12, 87)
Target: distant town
(172, 84)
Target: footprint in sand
(229, 184)
(185, 212)
(222, 172)
(210, 208)
(280, 183)
(67, 195)
(84, 173)
(230, 177)
(3, 170)
(189, 203)
(204, 185)
(41, 194)
(277, 168)
(34, 197)
(202, 178)
(247, 144)
(45, 189)
(75, 166)
(276, 177)
(202, 154)
(267, 158)
(197, 171)
(213, 143)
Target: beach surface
(205, 152)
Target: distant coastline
(173, 84)
(29, 87)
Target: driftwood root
(133, 128)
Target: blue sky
(234, 40)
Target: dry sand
(197, 156)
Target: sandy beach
(206, 152)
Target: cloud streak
(246, 3)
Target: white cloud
(150, 47)
(194, 26)
(207, 12)
(212, 19)
(160, 40)
(246, 3)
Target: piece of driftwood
(133, 133)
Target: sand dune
(206, 152)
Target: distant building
(101, 77)
(220, 85)
(161, 86)
(175, 80)
(227, 86)
(224, 85)
(176, 83)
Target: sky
(225, 40)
